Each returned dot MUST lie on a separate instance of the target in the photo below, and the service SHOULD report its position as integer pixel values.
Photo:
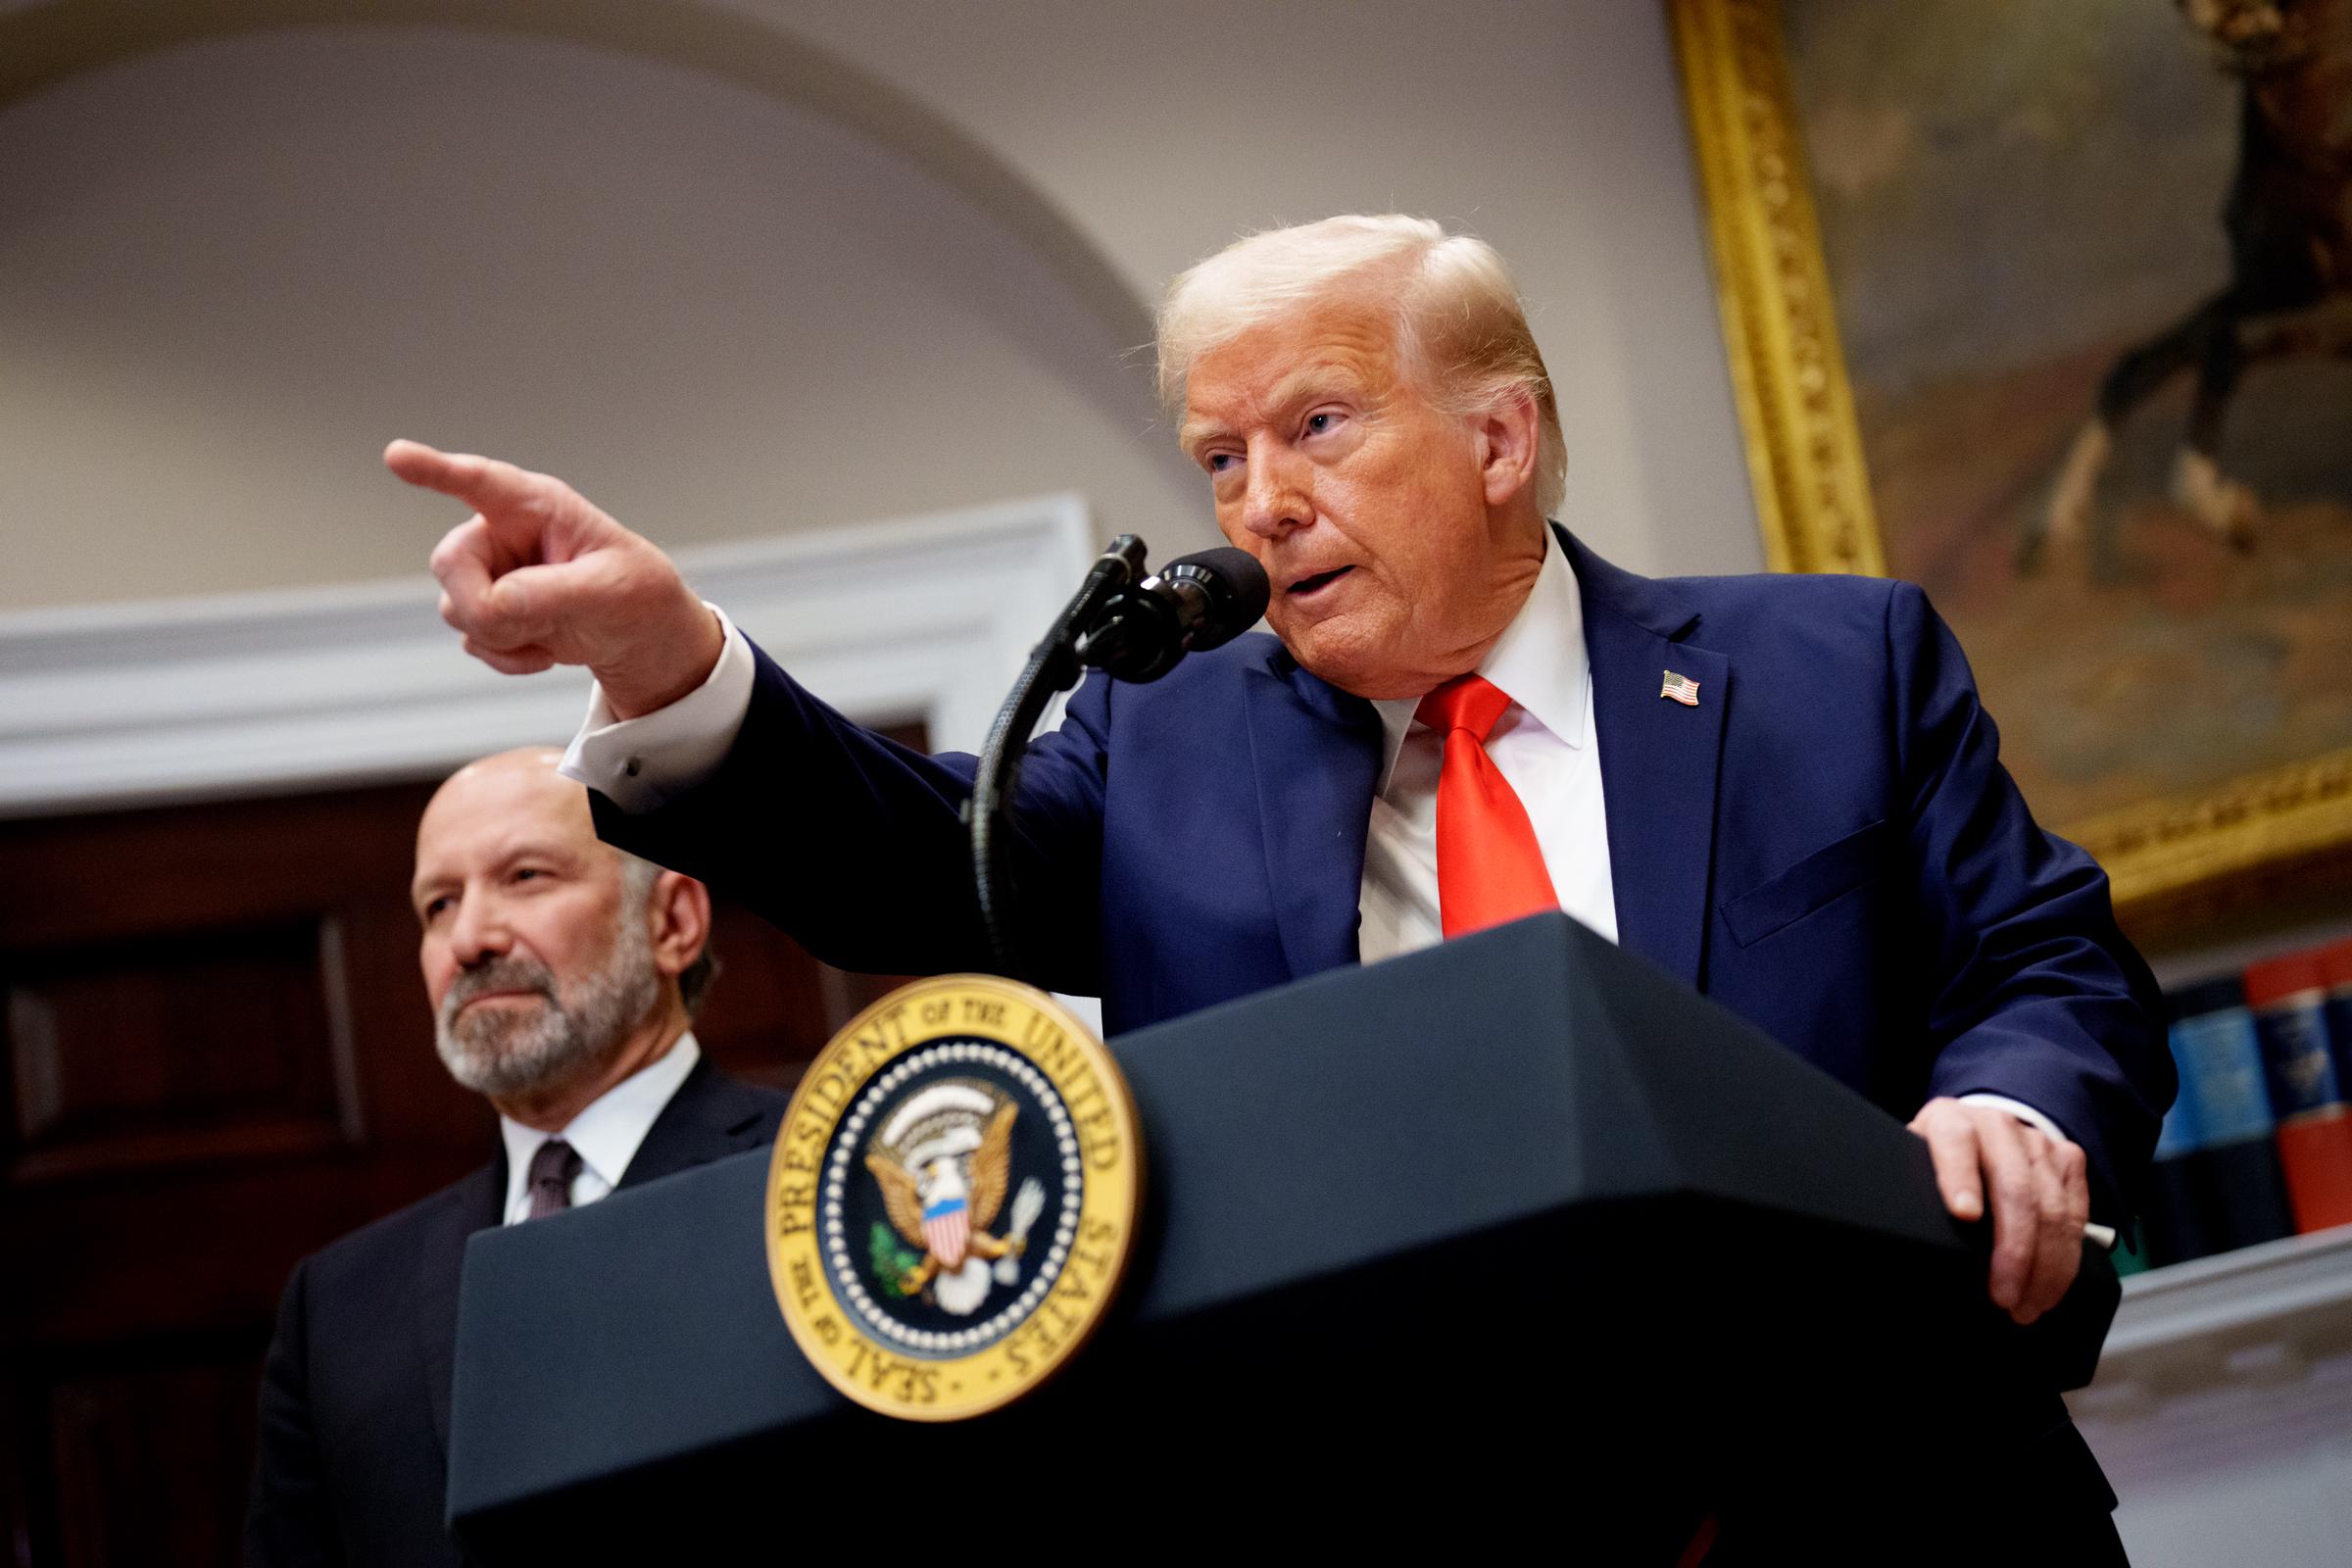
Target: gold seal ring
(953, 1197)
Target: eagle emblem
(944, 1158)
(952, 1198)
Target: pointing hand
(540, 577)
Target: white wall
(231, 272)
(1552, 129)
(230, 269)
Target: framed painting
(2048, 308)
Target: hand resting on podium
(2039, 1191)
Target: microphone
(1191, 605)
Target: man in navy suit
(1781, 789)
(566, 977)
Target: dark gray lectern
(1513, 1233)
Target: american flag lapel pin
(1682, 688)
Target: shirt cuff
(2022, 1111)
(641, 763)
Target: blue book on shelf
(2216, 1183)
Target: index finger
(486, 485)
(1953, 1147)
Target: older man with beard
(565, 977)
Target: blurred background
(845, 301)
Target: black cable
(1052, 667)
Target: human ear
(1506, 438)
(678, 916)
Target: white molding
(2240, 1359)
(156, 700)
(2269, 1289)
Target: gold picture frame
(2174, 861)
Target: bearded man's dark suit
(354, 1449)
(1827, 844)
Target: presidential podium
(1516, 1232)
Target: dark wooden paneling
(218, 1059)
(179, 1048)
(774, 1006)
(173, 1431)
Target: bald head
(548, 954)
(513, 790)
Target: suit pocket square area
(1827, 874)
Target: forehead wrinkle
(1334, 372)
(533, 840)
(1339, 373)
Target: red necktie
(1490, 867)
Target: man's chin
(490, 1025)
(1359, 665)
(508, 1068)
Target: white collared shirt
(605, 1135)
(1545, 745)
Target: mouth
(1306, 588)
(498, 996)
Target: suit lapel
(1315, 755)
(1658, 759)
(475, 1205)
(709, 1117)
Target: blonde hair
(1462, 333)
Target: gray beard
(506, 1051)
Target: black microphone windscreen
(1238, 592)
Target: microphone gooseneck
(1130, 626)
(1052, 667)
(1132, 630)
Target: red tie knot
(1466, 703)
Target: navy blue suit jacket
(1827, 845)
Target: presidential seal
(952, 1197)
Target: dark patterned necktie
(552, 1171)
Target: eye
(432, 907)
(1219, 461)
(1323, 421)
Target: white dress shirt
(605, 1135)
(1545, 745)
